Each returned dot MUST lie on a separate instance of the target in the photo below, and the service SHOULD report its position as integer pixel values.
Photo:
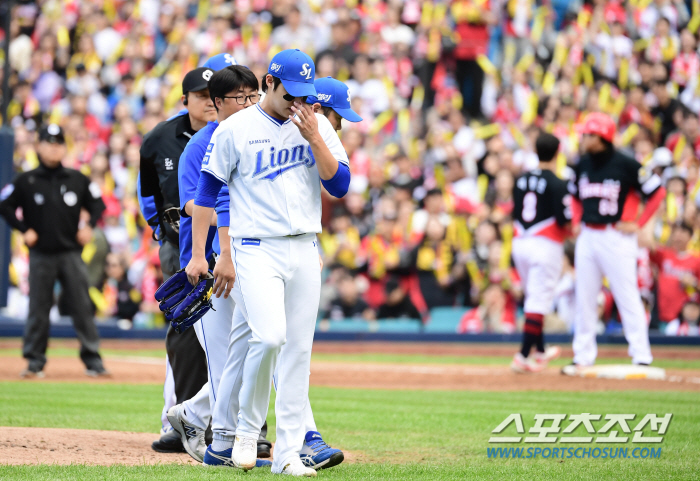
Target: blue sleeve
(188, 171)
(148, 208)
(208, 189)
(338, 185)
(222, 208)
(146, 204)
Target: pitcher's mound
(81, 446)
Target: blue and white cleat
(316, 454)
(223, 458)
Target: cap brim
(198, 87)
(299, 89)
(581, 129)
(349, 115)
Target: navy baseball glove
(182, 303)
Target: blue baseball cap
(219, 62)
(296, 70)
(336, 95)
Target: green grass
(396, 434)
(545, 471)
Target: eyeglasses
(243, 99)
(288, 97)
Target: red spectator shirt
(672, 142)
(672, 267)
(684, 67)
(473, 37)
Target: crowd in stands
(452, 93)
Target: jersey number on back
(529, 207)
(607, 207)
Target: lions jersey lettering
(275, 187)
(281, 160)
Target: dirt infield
(19, 446)
(139, 370)
(68, 446)
(380, 347)
(467, 349)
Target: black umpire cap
(52, 134)
(196, 80)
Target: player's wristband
(338, 185)
(223, 217)
(208, 188)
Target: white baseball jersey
(271, 173)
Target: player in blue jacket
(232, 89)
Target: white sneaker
(550, 353)
(192, 437)
(296, 468)
(522, 364)
(245, 452)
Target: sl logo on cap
(275, 67)
(305, 71)
(324, 97)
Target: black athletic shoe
(169, 442)
(263, 450)
(98, 371)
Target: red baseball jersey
(673, 266)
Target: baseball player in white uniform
(541, 211)
(272, 157)
(608, 187)
(232, 88)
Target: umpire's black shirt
(160, 155)
(51, 200)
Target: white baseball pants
(212, 332)
(612, 254)
(539, 263)
(277, 288)
(168, 393)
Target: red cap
(615, 13)
(112, 206)
(599, 124)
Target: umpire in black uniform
(51, 198)
(160, 155)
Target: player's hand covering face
(305, 120)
